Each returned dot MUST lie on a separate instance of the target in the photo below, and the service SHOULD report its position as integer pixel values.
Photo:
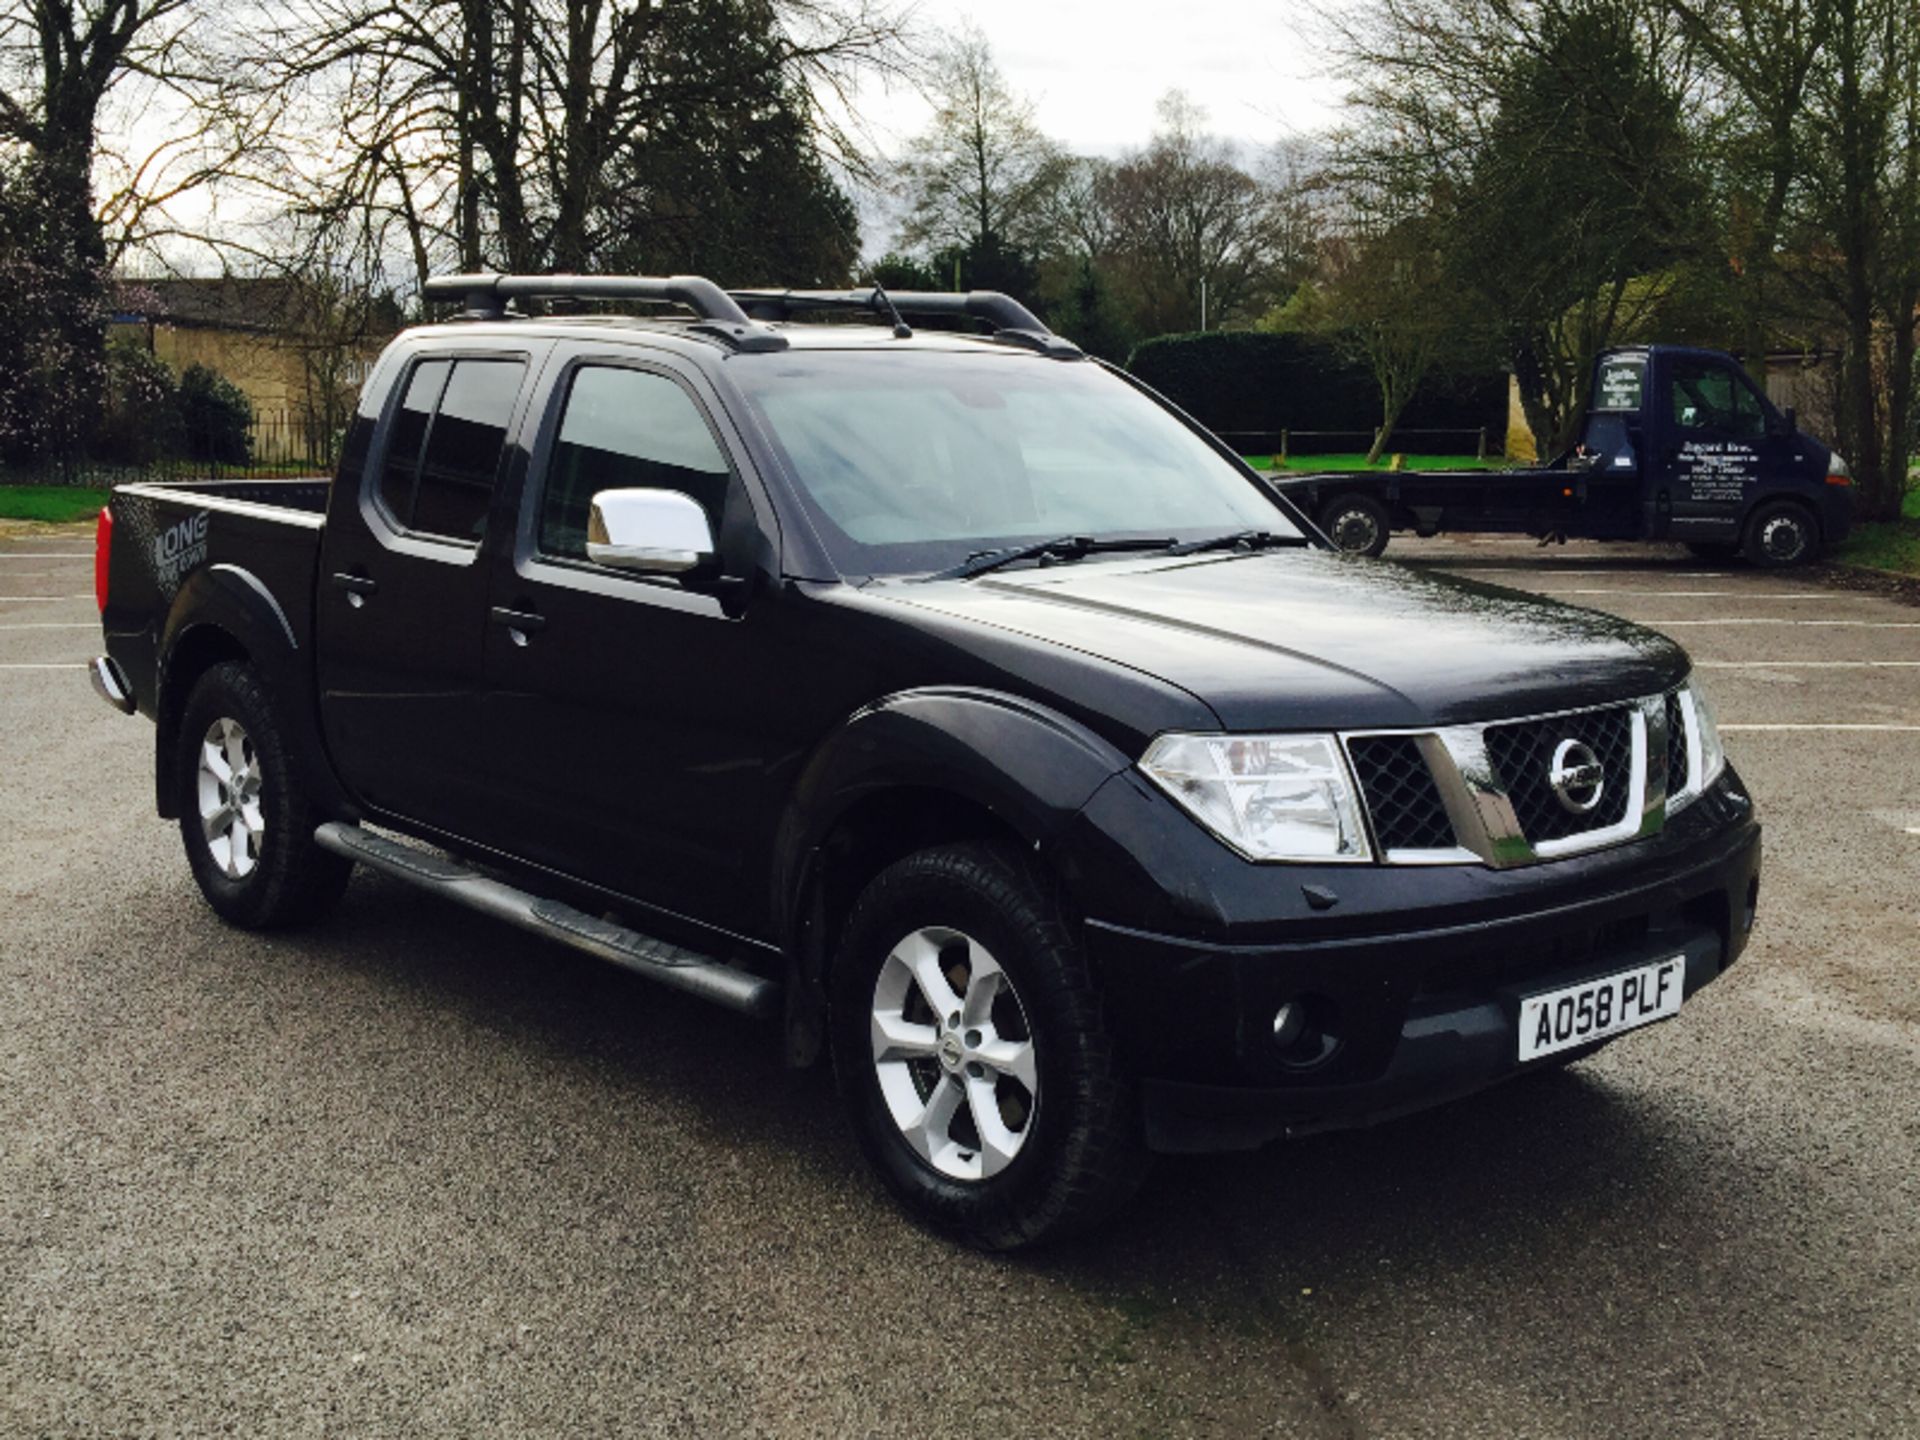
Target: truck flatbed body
(1676, 445)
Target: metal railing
(275, 445)
(1284, 444)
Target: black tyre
(1356, 524)
(973, 1053)
(247, 829)
(1713, 553)
(1781, 534)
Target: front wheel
(1781, 534)
(248, 830)
(973, 1053)
(1356, 524)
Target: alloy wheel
(229, 784)
(954, 1054)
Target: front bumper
(1413, 1017)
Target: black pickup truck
(946, 699)
(1677, 445)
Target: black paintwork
(716, 759)
(1588, 494)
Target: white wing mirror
(657, 532)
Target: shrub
(140, 422)
(215, 417)
(1256, 381)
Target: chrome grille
(1405, 805)
(1523, 757)
(1460, 794)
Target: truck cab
(1678, 444)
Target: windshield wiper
(1061, 547)
(1237, 540)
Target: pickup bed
(946, 700)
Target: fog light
(1303, 1031)
(1289, 1021)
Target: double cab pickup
(943, 697)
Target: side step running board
(682, 969)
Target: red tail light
(102, 547)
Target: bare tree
(1190, 221)
(503, 134)
(1554, 140)
(1383, 300)
(60, 60)
(1859, 240)
(983, 174)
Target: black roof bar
(486, 298)
(729, 315)
(1011, 321)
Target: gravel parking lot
(414, 1174)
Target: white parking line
(1706, 594)
(81, 665)
(1789, 664)
(43, 555)
(1778, 620)
(1547, 571)
(1878, 729)
(53, 625)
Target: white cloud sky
(1094, 68)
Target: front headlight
(1713, 755)
(1271, 797)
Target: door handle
(357, 587)
(524, 620)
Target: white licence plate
(1595, 1009)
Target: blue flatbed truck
(1677, 445)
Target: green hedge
(1253, 382)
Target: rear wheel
(248, 831)
(973, 1054)
(1356, 524)
(1781, 534)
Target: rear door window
(409, 436)
(448, 436)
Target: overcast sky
(1094, 68)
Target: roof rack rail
(486, 298)
(1011, 321)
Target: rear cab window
(448, 437)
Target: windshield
(913, 461)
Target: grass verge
(1307, 463)
(1890, 545)
(57, 504)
